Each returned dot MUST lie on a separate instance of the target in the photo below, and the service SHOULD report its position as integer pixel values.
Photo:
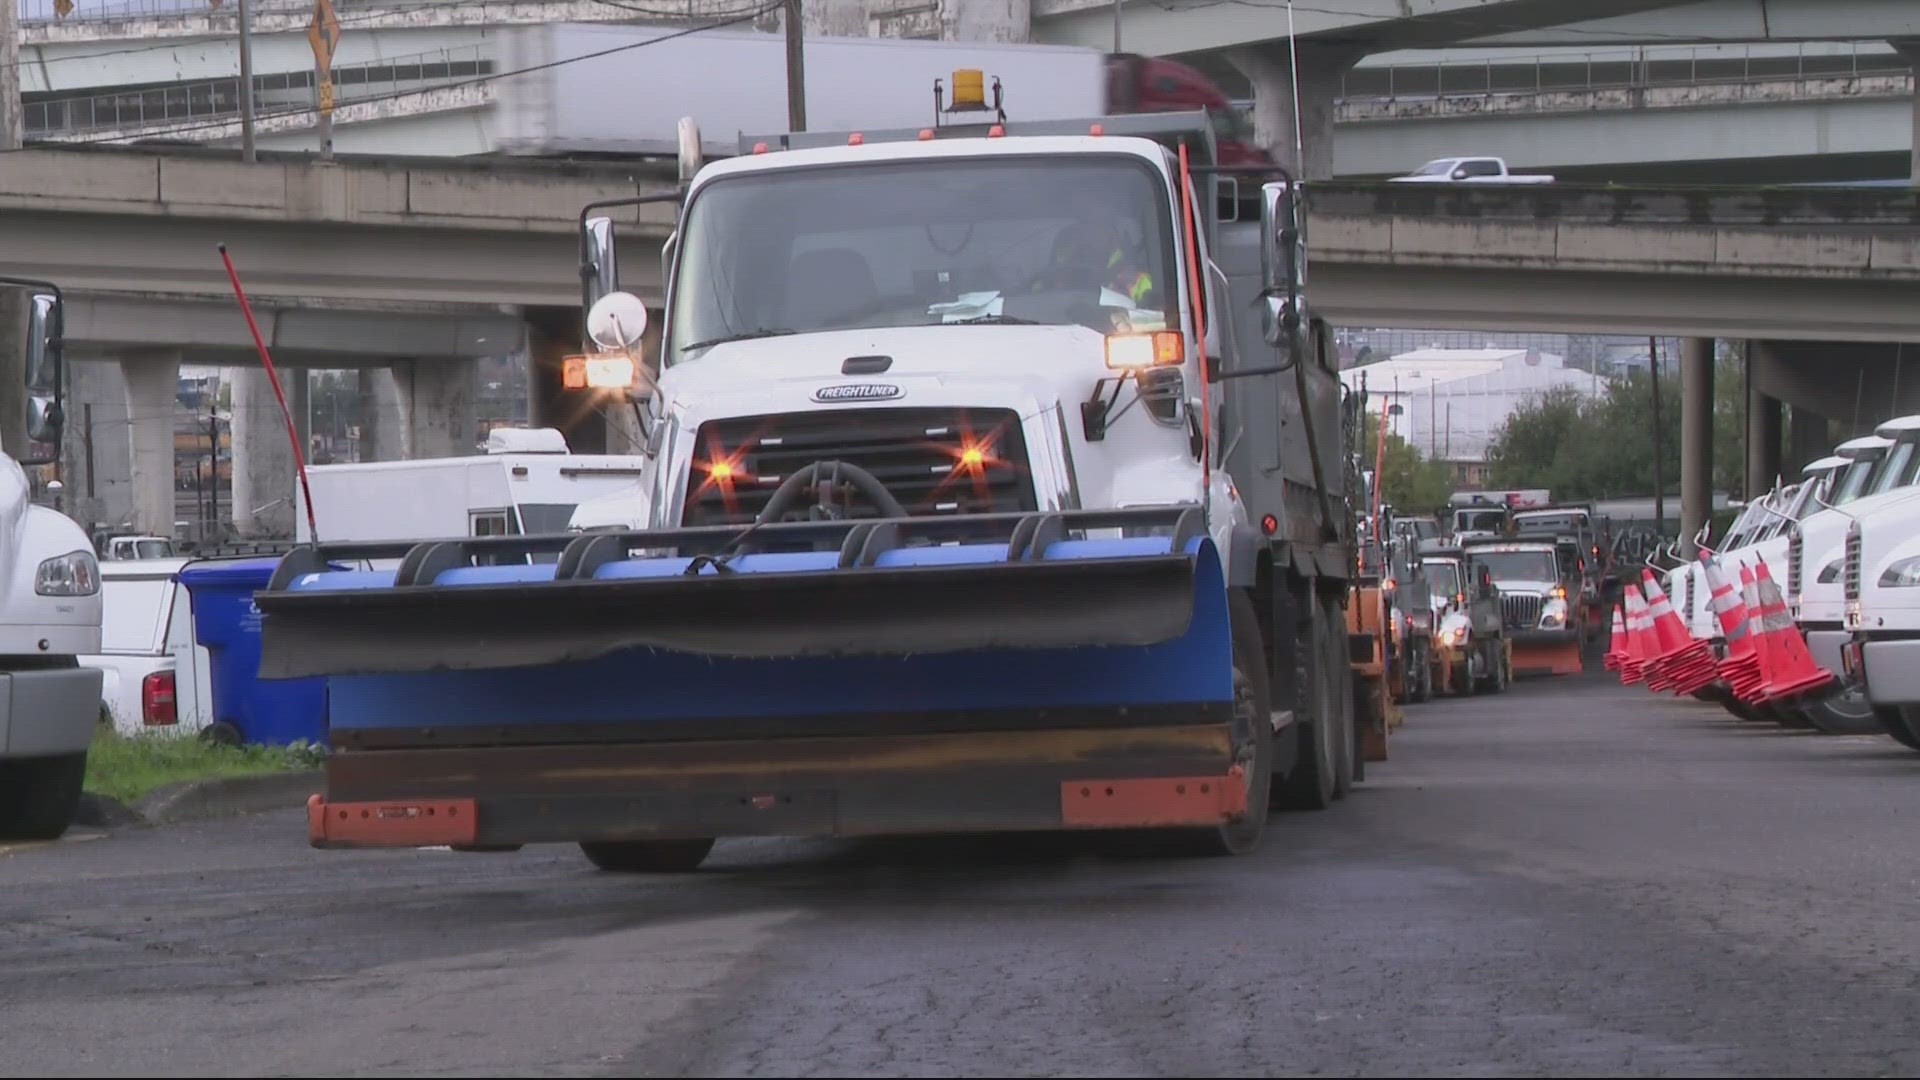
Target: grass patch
(127, 768)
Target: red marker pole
(273, 376)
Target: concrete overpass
(421, 263)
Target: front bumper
(46, 713)
(1824, 646)
(1063, 778)
(1890, 670)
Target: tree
(1526, 452)
(1408, 482)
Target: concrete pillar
(97, 448)
(383, 427)
(13, 367)
(1763, 441)
(265, 484)
(436, 405)
(1910, 50)
(152, 380)
(1696, 435)
(1808, 438)
(10, 119)
(1270, 69)
(834, 18)
(986, 20)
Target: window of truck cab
(922, 242)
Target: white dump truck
(996, 481)
(49, 609)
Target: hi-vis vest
(1136, 285)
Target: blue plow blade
(1083, 628)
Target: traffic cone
(1685, 663)
(1751, 678)
(1639, 648)
(1741, 665)
(1794, 672)
(1616, 642)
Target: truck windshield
(1488, 520)
(1854, 481)
(1435, 168)
(1899, 469)
(1519, 565)
(1443, 576)
(918, 243)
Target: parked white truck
(1880, 606)
(1469, 170)
(1879, 478)
(49, 609)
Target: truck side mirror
(599, 269)
(43, 355)
(1283, 261)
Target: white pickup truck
(1469, 170)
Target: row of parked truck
(1842, 544)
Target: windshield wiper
(743, 335)
(1003, 320)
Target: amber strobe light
(1131, 351)
(598, 372)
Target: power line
(303, 110)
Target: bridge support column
(435, 398)
(1808, 437)
(987, 20)
(835, 18)
(1696, 437)
(1763, 422)
(1910, 49)
(266, 488)
(153, 381)
(382, 418)
(1270, 69)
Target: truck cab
(1880, 472)
(1470, 646)
(50, 615)
(1534, 603)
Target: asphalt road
(1573, 878)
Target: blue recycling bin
(227, 624)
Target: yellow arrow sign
(323, 33)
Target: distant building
(1450, 403)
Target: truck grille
(919, 454)
(1794, 544)
(1521, 610)
(1850, 570)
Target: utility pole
(796, 68)
(1116, 27)
(1659, 487)
(11, 124)
(246, 85)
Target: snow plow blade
(867, 588)
(1549, 658)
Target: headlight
(1902, 574)
(1831, 573)
(1553, 615)
(72, 574)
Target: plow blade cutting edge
(1031, 626)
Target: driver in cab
(1092, 255)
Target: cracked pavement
(1571, 878)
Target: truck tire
(40, 796)
(1423, 675)
(1846, 713)
(1252, 738)
(1903, 723)
(648, 856)
(1310, 785)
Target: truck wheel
(1846, 713)
(40, 796)
(1462, 680)
(1423, 675)
(1903, 723)
(647, 856)
(1310, 786)
(1252, 737)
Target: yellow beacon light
(969, 89)
(1160, 348)
(598, 372)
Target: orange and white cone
(1685, 663)
(1793, 672)
(1616, 643)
